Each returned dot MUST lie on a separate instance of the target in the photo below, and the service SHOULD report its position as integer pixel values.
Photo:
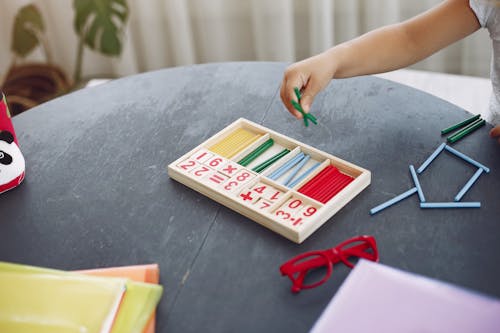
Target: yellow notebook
(149, 273)
(138, 304)
(135, 309)
(46, 303)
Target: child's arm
(381, 50)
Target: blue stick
(304, 175)
(285, 167)
(431, 158)
(467, 158)
(417, 184)
(450, 204)
(391, 202)
(296, 169)
(469, 184)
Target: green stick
(312, 118)
(466, 131)
(298, 107)
(463, 123)
(297, 93)
(259, 168)
(256, 153)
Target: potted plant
(27, 84)
(99, 25)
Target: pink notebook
(378, 298)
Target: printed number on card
(215, 161)
(200, 171)
(202, 155)
(287, 216)
(187, 165)
(262, 204)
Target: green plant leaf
(27, 24)
(100, 23)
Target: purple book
(378, 298)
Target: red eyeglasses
(297, 268)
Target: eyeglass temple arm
(321, 260)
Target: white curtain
(165, 33)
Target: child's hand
(310, 76)
(495, 133)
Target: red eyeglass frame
(297, 268)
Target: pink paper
(378, 298)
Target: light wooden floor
(468, 92)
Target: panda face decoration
(5, 158)
(12, 162)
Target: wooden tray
(263, 200)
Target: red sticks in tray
(326, 184)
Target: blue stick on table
(417, 184)
(466, 158)
(391, 202)
(450, 205)
(469, 184)
(431, 158)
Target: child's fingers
(311, 90)
(495, 132)
(285, 100)
(287, 94)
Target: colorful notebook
(378, 298)
(139, 273)
(130, 312)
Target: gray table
(97, 192)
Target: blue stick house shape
(418, 189)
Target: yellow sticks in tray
(234, 143)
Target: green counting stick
(463, 123)
(304, 114)
(298, 107)
(466, 131)
(256, 153)
(259, 168)
(308, 115)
